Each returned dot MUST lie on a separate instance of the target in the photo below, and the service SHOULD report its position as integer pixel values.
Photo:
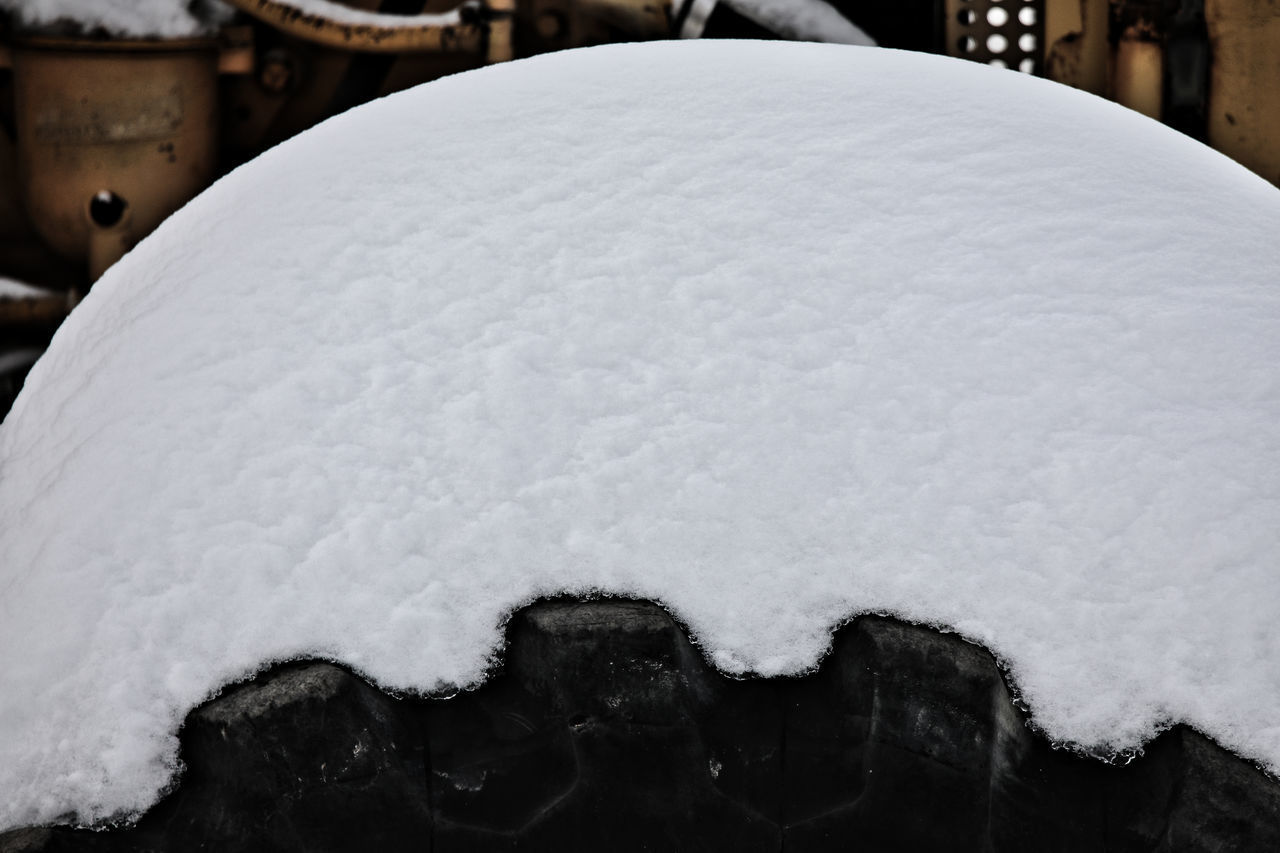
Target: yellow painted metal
(1075, 40)
(1244, 86)
(23, 255)
(501, 46)
(132, 120)
(1139, 75)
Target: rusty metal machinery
(1244, 84)
(101, 139)
(1210, 68)
(111, 137)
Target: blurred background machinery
(103, 137)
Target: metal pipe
(1138, 30)
(1139, 75)
(501, 44)
(1244, 83)
(39, 308)
(456, 30)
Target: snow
(343, 14)
(125, 18)
(774, 334)
(11, 289)
(806, 20)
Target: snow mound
(772, 333)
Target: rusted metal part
(1009, 35)
(1076, 48)
(136, 120)
(1138, 77)
(501, 34)
(1138, 30)
(459, 30)
(1244, 88)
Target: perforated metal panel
(1008, 33)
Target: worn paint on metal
(1138, 79)
(1076, 47)
(137, 119)
(1244, 83)
(451, 32)
(123, 118)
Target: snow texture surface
(774, 334)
